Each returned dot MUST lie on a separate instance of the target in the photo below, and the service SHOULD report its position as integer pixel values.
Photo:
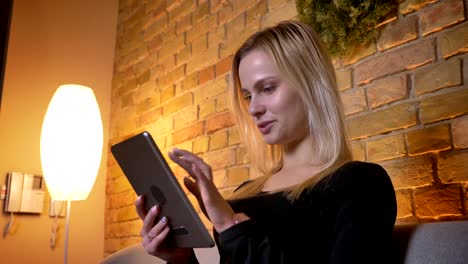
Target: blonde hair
(300, 55)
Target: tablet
(149, 174)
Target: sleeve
(245, 243)
(365, 217)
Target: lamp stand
(65, 260)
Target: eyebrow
(260, 82)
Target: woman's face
(276, 108)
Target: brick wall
(405, 98)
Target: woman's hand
(212, 203)
(154, 237)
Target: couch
(425, 243)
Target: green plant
(343, 23)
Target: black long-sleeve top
(348, 217)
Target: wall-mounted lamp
(71, 146)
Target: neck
(300, 154)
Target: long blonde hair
(300, 55)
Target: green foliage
(343, 23)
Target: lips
(265, 126)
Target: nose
(256, 107)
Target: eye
(247, 97)
(269, 88)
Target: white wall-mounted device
(25, 193)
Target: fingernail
(154, 209)
(163, 220)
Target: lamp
(71, 146)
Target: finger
(140, 207)
(155, 231)
(149, 220)
(186, 165)
(187, 155)
(152, 247)
(190, 158)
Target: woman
(311, 203)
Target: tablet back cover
(149, 174)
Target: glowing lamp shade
(71, 143)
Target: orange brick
(241, 156)
(358, 148)
(149, 117)
(407, 172)
(398, 32)
(387, 90)
(404, 203)
(185, 8)
(218, 122)
(235, 26)
(436, 138)
(441, 15)
(178, 104)
(206, 74)
(187, 133)
(171, 77)
(184, 24)
(453, 41)
(202, 11)
(234, 137)
(219, 177)
(216, 36)
(171, 46)
(126, 213)
(256, 11)
(222, 103)
(435, 202)
(202, 27)
(201, 144)
(184, 55)
(343, 79)
(210, 90)
(167, 93)
(223, 66)
(385, 148)
(156, 28)
(200, 44)
(202, 60)
(121, 184)
(354, 101)
(219, 139)
(359, 52)
(409, 6)
(444, 106)
(394, 61)
(207, 108)
(236, 176)
(185, 117)
(156, 8)
(438, 76)
(161, 127)
(282, 12)
(452, 166)
(190, 82)
(220, 158)
(392, 118)
(228, 47)
(460, 132)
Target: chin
(272, 140)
